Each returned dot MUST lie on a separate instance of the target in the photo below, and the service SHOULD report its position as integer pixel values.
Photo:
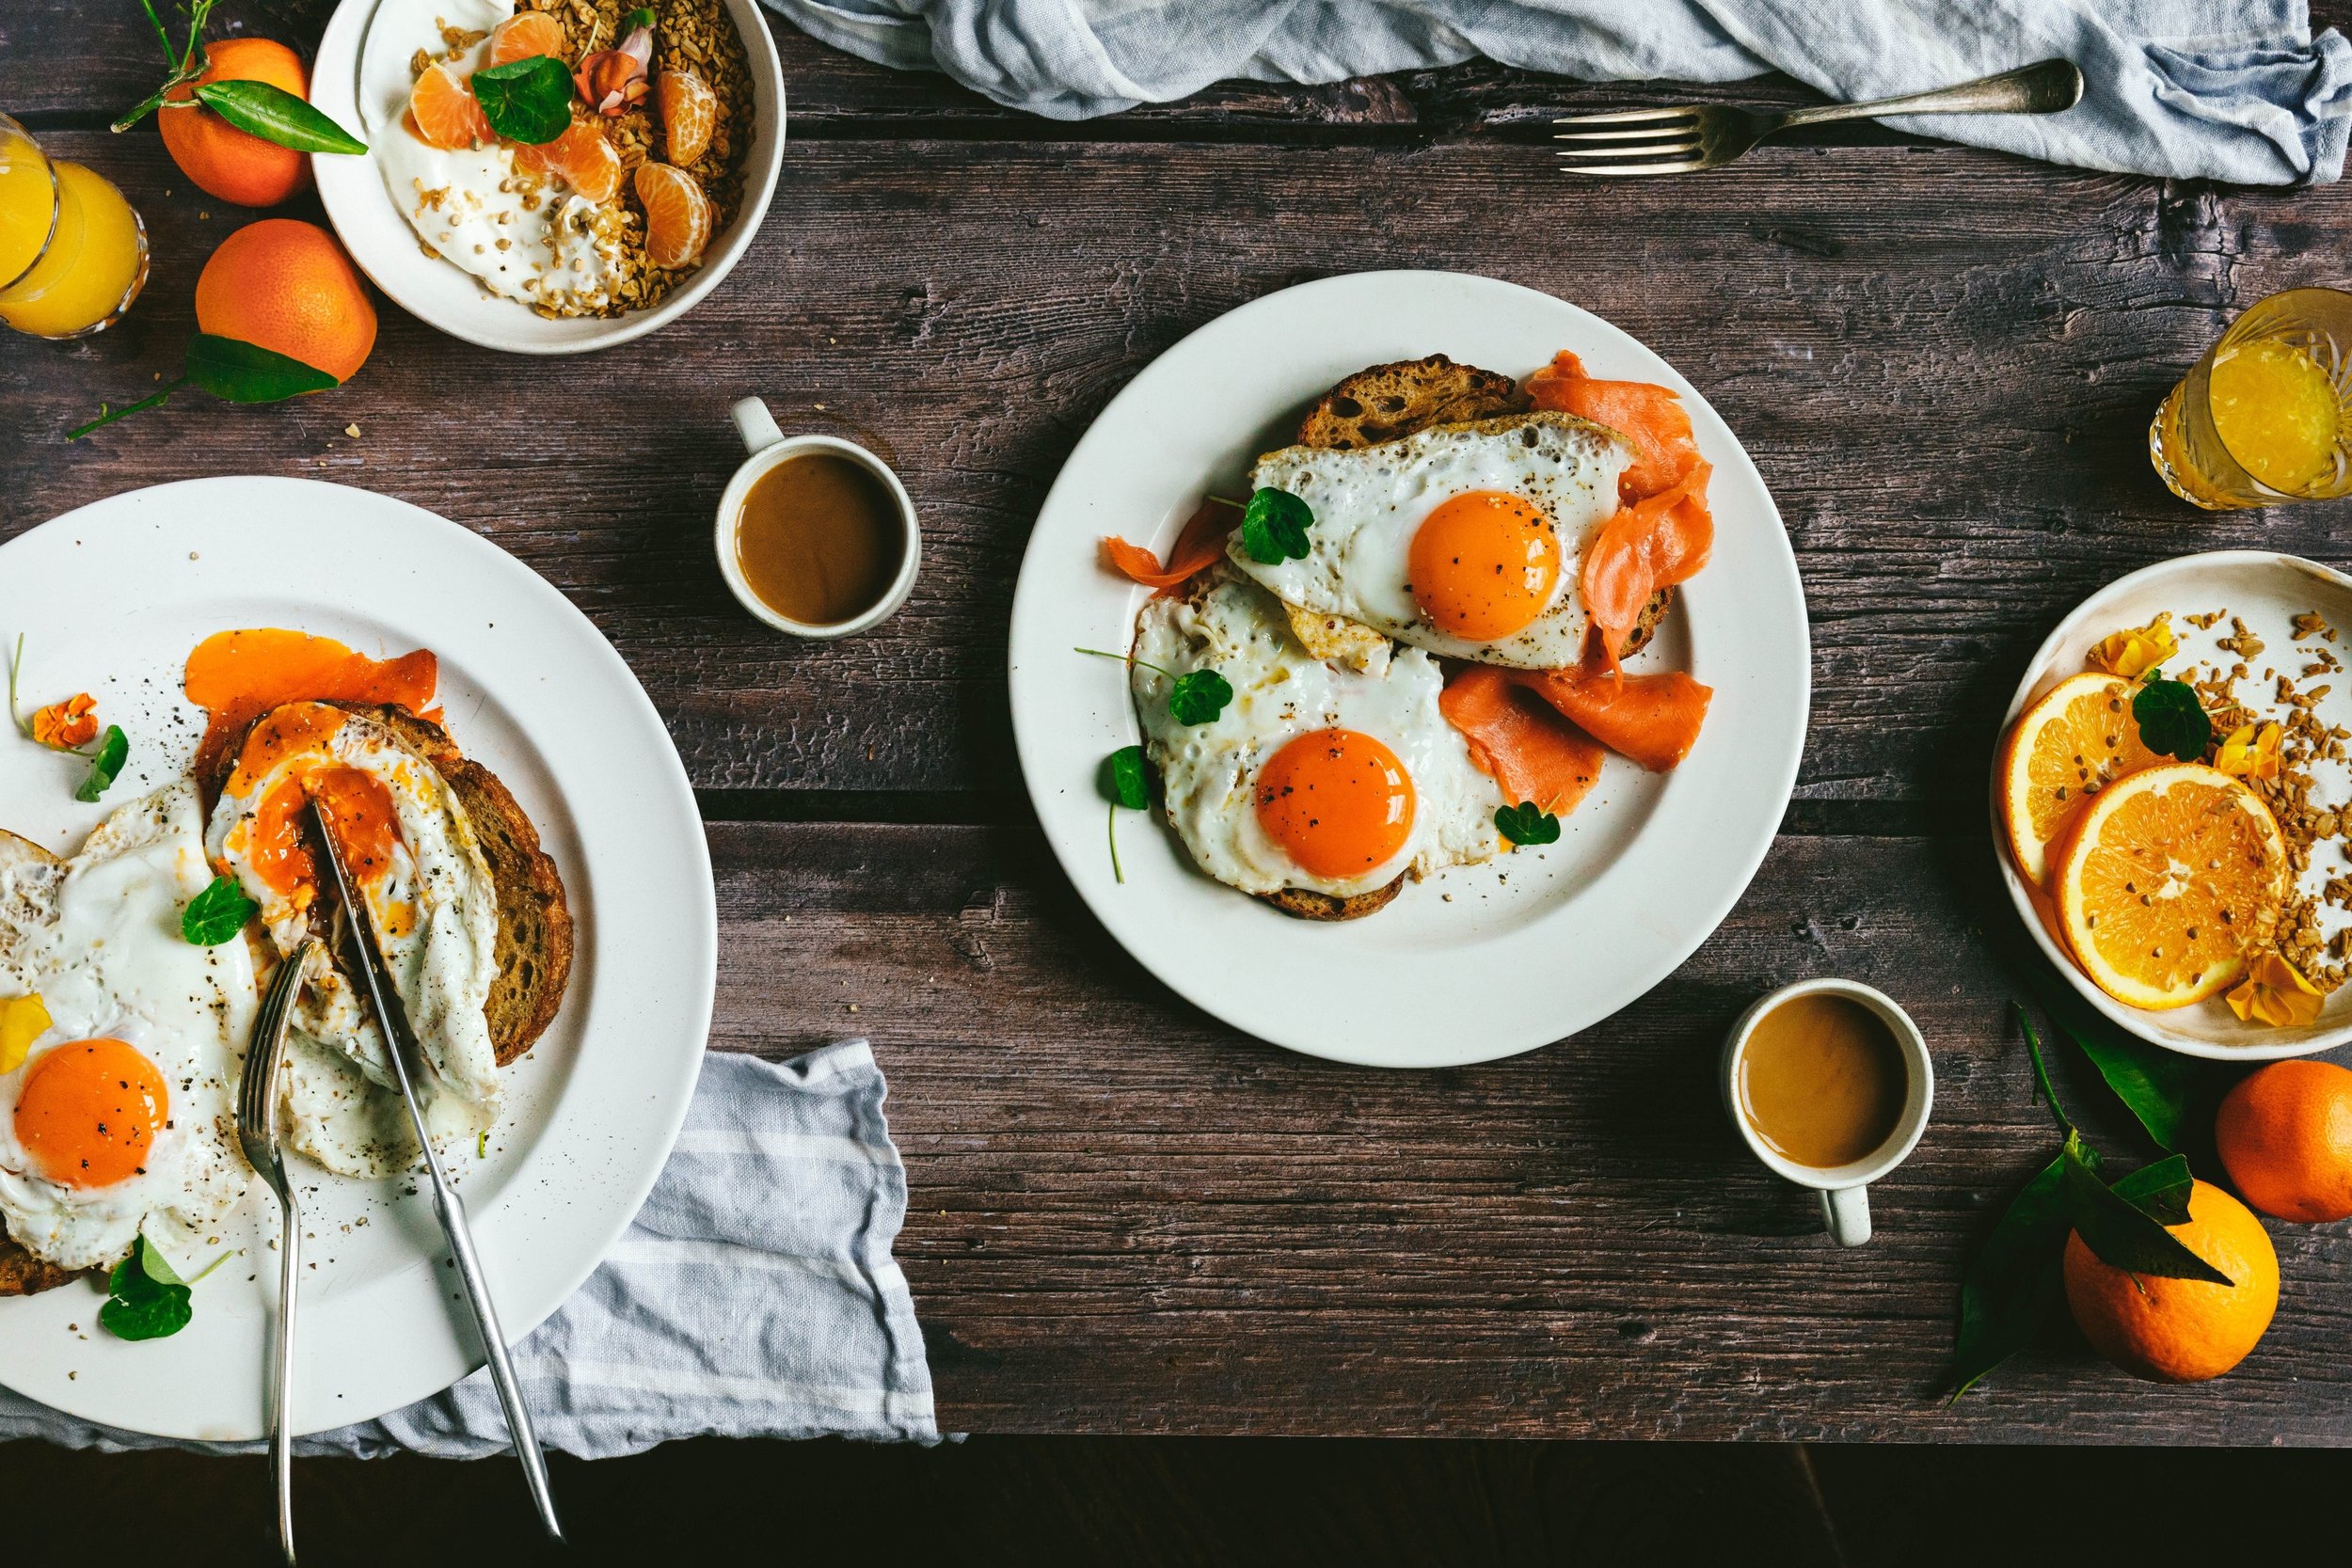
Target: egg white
(97, 938)
(1368, 502)
(342, 1102)
(1281, 692)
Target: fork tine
(1640, 132)
(1689, 145)
(1603, 170)
(1629, 117)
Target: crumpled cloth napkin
(755, 1296)
(2235, 90)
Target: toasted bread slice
(1389, 402)
(535, 934)
(1308, 904)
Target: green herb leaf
(2120, 1235)
(2171, 718)
(237, 372)
(2041, 1072)
(1527, 823)
(2156, 1086)
(114, 750)
(2159, 1191)
(528, 101)
(1124, 779)
(157, 1267)
(2012, 1284)
(640, 17)
(217, 914)
(138, 1305)
(275, 115)
(1199, 696)
(1274, 527)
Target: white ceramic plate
(1479, 961)
(111, 598)
(364, 57)
(2265, 591)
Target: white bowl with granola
(550, 176)
(2248, 964)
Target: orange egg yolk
(89, 1111)
(1483, 564)
(235, 676)
(358, 811)
(1337, 801)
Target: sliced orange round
(677, 215)
(690, 111)
(442, 110)
(580, 157)
(525, 34)
(2172, 877)
(2073, 743)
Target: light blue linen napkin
(2235, 90)
(755, 1296)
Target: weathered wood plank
(1941, 361)
(1126, 1217)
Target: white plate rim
(353, 194)
(1380, 306)
(2040, 671)
(641, 781)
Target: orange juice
(2262, 418)
(87, 254)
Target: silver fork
(1697, 137)
(256, 1129)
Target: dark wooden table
(1127, 1218)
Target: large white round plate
(111, 600)
(2265, 591)
(363, 60)
(1477, 962)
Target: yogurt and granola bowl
(551, 175)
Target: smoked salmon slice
(1200, 544)
(1652, 719)
(1655, 543)
(1650, 417)
(1518, 742)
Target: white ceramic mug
(768, 446)
(1843, 1189)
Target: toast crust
(1306, 904)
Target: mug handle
(755, 425)
(1846, 1213)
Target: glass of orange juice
(72, 251)
(2266, 415)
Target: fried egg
(1463, 539)
(122, 1114)
(409, 846)
(1313, 776)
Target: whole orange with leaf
(285, 285)
(2284, 1134)
(233, 165)
(2181, 1330)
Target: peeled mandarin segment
(2076, 741)
(2175, 875)
(525, 34)
(443, 110)
(580, 157)
(677, 215)
(690, 112)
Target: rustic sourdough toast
(1387, 402)
(535, 934)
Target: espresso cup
(1843, 1189)
(768, 448)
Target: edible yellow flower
(22, 1021)
(2133, 653)
(2250, 755)
(2275, 992)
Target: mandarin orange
(2181, 1330)
(2284, 1134)
(233, 165)
(287, 286)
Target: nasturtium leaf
(1123, 781)
(216, 914)
(141, 1306)
(528, 101)
(275, 115)
(2171, 718)
(1528, 823)
(1274, 527)
(1199, 696)
(114, 750)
